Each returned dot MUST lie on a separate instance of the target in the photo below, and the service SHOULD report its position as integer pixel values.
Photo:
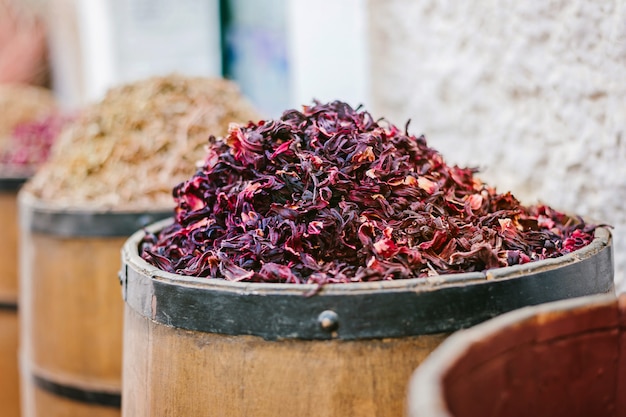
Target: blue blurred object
(254, 51)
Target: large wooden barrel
(9, 380)
(566, 358)
(208, 347)
(71, 313)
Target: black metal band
(8, 306)
(38, 217)
(106, 399)
(11, 183)
(361, 310)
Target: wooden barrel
(209, 347)
(71, 313)
(9, 380)
(566, 358)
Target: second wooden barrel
(9, 380)
(207, 347)
(566, 358)
(71, 313)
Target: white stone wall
(532, 92)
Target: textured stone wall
(531, 92)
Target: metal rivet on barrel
(328, 320)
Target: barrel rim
(425, 390)
(131, 254)
(357, 310)
(38, 216)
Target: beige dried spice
(130, 150)
(21, 103)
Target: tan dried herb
(129, 150)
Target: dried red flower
(328, 194)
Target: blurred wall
(532, 92)
(98, 44)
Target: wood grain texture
(557, 359)
(9, 232)
(9, 379)
(72, 315)
(175, 372)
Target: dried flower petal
(328, 195)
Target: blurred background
(282, 53)
(532, 93)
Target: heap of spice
(130, 149)
(330, 195)
(20, 104)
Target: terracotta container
(566, 358)
(210, 347)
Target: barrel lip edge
(131, 257)
(287, 311)
(425, 394)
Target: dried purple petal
(329, 195)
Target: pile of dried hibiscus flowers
(330, 195)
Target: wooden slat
(43, 403)
(9, 380)
(8, 247)
(169, 371)
(72, 313)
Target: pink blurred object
(31, 142)
(23, 56)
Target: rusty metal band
(362, 310)
(102, 398)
